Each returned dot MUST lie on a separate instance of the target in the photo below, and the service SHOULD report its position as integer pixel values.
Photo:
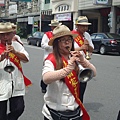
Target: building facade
(97, 11)
(37, 14)
(65, 11)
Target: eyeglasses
(66, 40)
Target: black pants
(16, 105)
(48, 119)
(43, 85)
(82, 90)
(45, 118)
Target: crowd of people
(59, 44)
(60, 73)
(63, 51)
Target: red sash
(16, 61)
(49, 34)
(72, 83)
(79, 39)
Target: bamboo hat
(54, 23)
(60, 31)
(82, 20)
(6, 27)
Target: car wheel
(28, 42)
(38, 44)
(102, 50)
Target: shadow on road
(93, 106)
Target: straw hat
(6, 27)
(82, 20)
(54, 23)
(60, 31)
(14, 26)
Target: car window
(99, 36)
(37, 34)
(34, 34)
(42, 33)
(93, 36)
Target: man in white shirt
(12, 81)
(48, 49)
(82, 43)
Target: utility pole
(6, 8)
(113, 10)
(40, 15)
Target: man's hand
(86, 42)
(88, 47)
(77, 56)
(4, 55)
(83, 47)
(10, 48)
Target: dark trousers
(48, 119)
(45, 118)
(82, 90)
(43, 85)
(16, 106)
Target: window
(37, 34)
(99, 37)
(93, 36)
(34, 34)
(63, 8)
(47, 1)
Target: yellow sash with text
(79, 39)
(16, 61)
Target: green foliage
(22, 31)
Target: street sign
(102, 2)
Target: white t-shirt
(58, 96)
(18, 37)
(44, 44)
(16, 77)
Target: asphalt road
(102, 97)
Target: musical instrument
(87, 56)
(85, 74)
(9, 68)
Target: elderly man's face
(6, 37)
(82, 28)
(53, 27)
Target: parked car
(106, 42)
(35, 39)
